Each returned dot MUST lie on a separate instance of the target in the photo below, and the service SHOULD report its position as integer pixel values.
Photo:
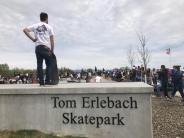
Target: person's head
(44, 17)
(178, 68)
(162, 66)
(98, 73)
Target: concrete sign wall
(95, 110)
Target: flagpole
(170, 61)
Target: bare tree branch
(131, 56)
(143, 52)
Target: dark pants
(178, 87)
(42, 53)
(164, 88)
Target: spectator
(164, 81)
(98, 78)
(177, 81)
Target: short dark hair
(43, 16)
(162, 66)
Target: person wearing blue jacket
(178, 82)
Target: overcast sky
(92, 33)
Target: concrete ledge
(77, 88)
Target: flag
(168, 51)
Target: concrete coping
(77, 88)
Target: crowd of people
(18, 79)
(166, 82)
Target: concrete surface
(52, 109)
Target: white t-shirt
(42, 32)
(98, 79)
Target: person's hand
(35, 39)
(50, 52)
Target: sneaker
(169, 97)
(164, 98)
(172, 96)
(42, 85)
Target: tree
(4, 69)
(64, 72)
(131, 56)
(96, 69)
(144, 53)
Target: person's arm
(27, 33)
(52, 43)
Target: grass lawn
(29, 134)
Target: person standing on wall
(44, 41)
